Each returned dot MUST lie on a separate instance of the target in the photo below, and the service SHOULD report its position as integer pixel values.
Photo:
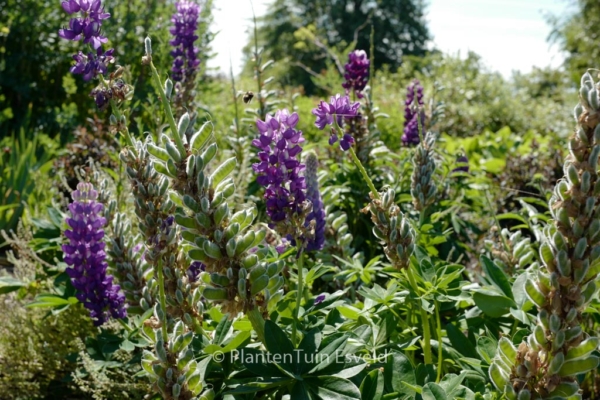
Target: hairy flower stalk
(392, 229)
(87, 260)
(546, 364)
(126, 264)
(172, 364)
(156, 223)
(356, 74)
(224, 242)
(185, 53)
(413, 108)
(423, 189)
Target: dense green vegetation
(488, 244)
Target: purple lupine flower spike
(411, 112)
(336, 110)
(88, 25)
(357, 72)
(279, 169)
(318, 210)
(185, 24)
(86, 258)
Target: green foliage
(302, 33)
(23, 160)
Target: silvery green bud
(159, 348)
(176, 391)
(205, 204)
(571, 315)
(559, 340)
(555, 323)
(543, 318)
(259, 284)
(169, 374)
(242, 288)
(580, 248)
(573, 332)
(524, 394)
(112, 119)
(556, 363)
(572, 174)
(168, 88)
(148, 45)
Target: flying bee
(248, 96)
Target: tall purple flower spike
(279, 169)
(338, 107)
(185, 24)
(357, 72)
(88, 25)
(318, 210)
(86, 258)
(411, 112)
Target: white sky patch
(508, 34)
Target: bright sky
(508, 34)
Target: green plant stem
(438, 332)
(258, 323)
(118, 114)
(298, 298)
(162, 299)
(426, 332)
(168, 111)
(363, 172)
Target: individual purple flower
(88, 25)
(411, 111)
(92, 65)
(336, 110)
(319, 299)
(279, 168)
(463, 164)
(86, 258)
(185, 24)
(318, 210)
(357, 72)
(194, 270)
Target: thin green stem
(426, 330)
(168, 111)
(438, 332)
(298, 297)
(363, 172)
(162, 299)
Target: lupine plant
(211, 292)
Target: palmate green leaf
(256, 361)
(492, 303)
(372, 386)
(222, 330)
(332, 388)
(9, 284)
(255, 387)
(433, 391)
(300, 392)
(497, 276)
(309, 345)
(332, 353)
(486, 348)
(51, 300)
(278, 343)
(398, 370)
(460, 342)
